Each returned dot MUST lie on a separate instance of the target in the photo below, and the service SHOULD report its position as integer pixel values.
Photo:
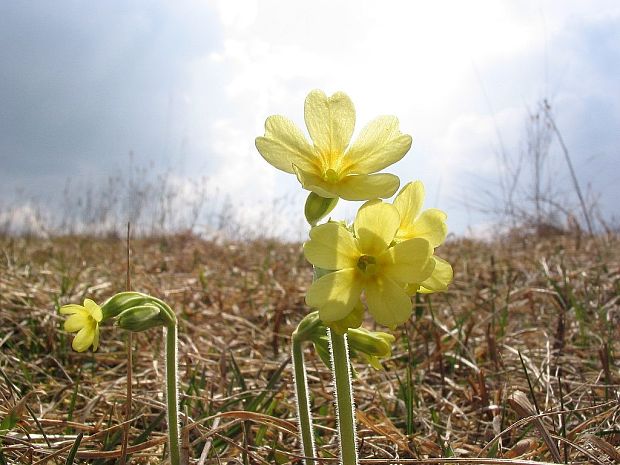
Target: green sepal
(318, 207)
(373, 343)
(122, 301)
(308, 327)
(141, 318)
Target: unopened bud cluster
(132, 311)
(371, 346)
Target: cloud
(85, 84)
(188, 85)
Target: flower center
(331, 176)
(367, 264)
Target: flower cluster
(370, 346)
(388, 253)
(132, 311)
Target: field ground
(454, 386)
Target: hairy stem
(303, 402)
(345, 409)
(172, 393)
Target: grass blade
(74, 449)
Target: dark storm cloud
(83, 83)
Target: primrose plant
(376, 263)
(132, 311)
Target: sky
(185, 86)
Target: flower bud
(122, 301)
(373, 343)
(309, 327)
(318, 207)
(369, 346)
(141, 318)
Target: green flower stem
(172, 389)
(345, 409)
(172, 394)
(303, 401)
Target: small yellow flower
(365, 262)
(428, 224)
(439, 280)
(330, 167)
(83, 319)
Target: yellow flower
(366, 262)
(331, 167)
(440, 278)
(83, 319)
(428, 224)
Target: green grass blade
(74, 449)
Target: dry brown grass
(450, 389)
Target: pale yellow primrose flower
(428, 224)
(83, 319)
(366, 262)
(331, 167)
(438, 281)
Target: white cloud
(397, 58)
(416, 60)
(455, 73)
(26, 218)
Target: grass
(530, 324)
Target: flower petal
(409, 202)
(440, 278)
(367, 186)
(314, 183)
(408, 261)
(331, 247)
(84, 338)
(77, 321)
(430, 225)
(387, 302)
(330, 122)
(93, 309)
(375, 225)
(96, 339)
(284, 145)
(335, 294)
(379, 145)
(352, 320)
(70, 309)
